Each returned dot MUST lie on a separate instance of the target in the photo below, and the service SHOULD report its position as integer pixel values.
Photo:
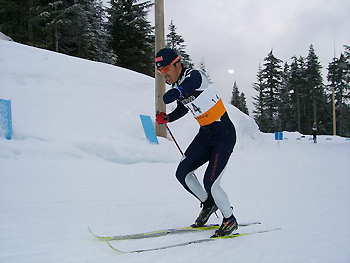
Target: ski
(165, 232)
(197, 241)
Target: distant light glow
(231, 71)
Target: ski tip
(91, 231)
(249, 224)
(100, 237)
(117, 250)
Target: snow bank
(79, 158)
(4, 37)
(92, 106)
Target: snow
(4, 37)
(79, 158)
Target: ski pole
(177, 145)
(172, 136)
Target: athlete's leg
(220, 198)
(195, 156)
(219, 157)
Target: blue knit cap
(164, 57)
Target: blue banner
(279, 136)
(5, 119)
(149, 129)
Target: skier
(314, 132)
(214, 142)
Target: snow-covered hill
(79, 158)
(4, 37)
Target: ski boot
(227, 227)
(208, 208)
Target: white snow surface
(4, 37)
(79, 158)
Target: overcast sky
(239, 34)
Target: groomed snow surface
(79, 158)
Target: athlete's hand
(162, 118)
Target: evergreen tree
(285, 107)
(131, 35)
(295, 98)
(202, 68)
(347, 62)
(243, 102)
(260, 115)
(272, 74)
(176, 42)
(347, 52)
(338, 71)
(315, 93)
(19, 20)
(60, 23)
(73, 27)
(296, 75)
(303, 96)
(93, 42)
(347, 78)
(238, 99)
(235, 100)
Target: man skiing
(214, 142)
(314, 132)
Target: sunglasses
(167, 68)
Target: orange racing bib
(207, 107)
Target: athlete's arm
(187, 88)
(179, 112)
(191, 82)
